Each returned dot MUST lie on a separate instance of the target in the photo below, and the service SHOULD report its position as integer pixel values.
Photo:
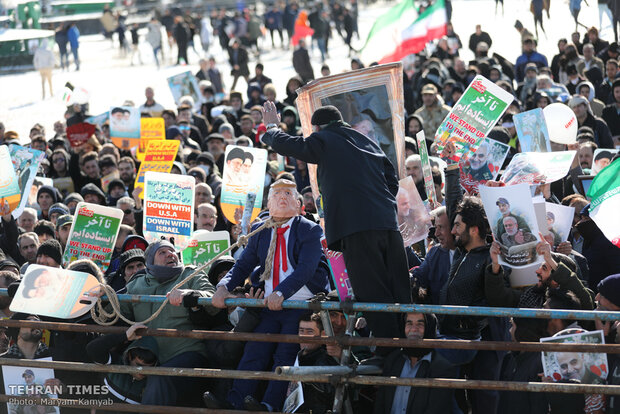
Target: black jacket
(357, 181)
(318, 397)
(522, 367)
(423, 400)
(302, 65)
(602, 134)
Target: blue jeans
(76, 59)
(162, 390)
(257, 355)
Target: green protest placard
(472, 118)
(205, 245)
(93, 234)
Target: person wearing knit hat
(198, 173)
(57, 210)
(583, 113)
(72, 200)
(163, 271)
(373, 249)
(116, 191)
(608, 296)
(93, 194)
(291, 266)
(49, 253)
(219, 268)
(46, 196)
(131, 262)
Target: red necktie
(280, 251)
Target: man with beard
(476, 167)
(27, 341)
(308, 200)
(504, 208)
(127, 172)
(515, 236)
(557, 271)
(416, 363)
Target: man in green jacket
(163, 271)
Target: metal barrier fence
(340, 375)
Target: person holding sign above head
(291, 266)
(357, 181)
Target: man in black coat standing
(301, 62)
(181, 37)
(358, 185)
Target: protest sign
(512, 219)
(98, 119)
(523, 276)
(483, 165)
(205, 245)
(602, 158)
(27, 381)
(9, 183)
(580, 367)
(125, 126)
(150, 129)
(168, 208)
(244, 172)
(93, 234)
(559, 222)
(561, 123)
(413, 218)
(26, 162)
(159, 158)
(338, 271)
(532, 131)
(538, 167)
(78, 134)
(429, 186)
(37, 183)
(605, 195)
(107, 179)
(294, 394)
(65, 185)
(472, 117)
(55, 292)
(184, 84)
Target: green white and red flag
(402, 31)
(604, 193)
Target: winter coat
(172, 317)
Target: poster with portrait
(184, 84)
(29, 382)
(370, 99)
(584, 367)
(537, 167)
(602, 158)
(55, 292)
(205, 245)
(413, 218)
(532, 131)
(37, 183)
(93, 234)
(474, 115)
(168, 208)
(9, 183)
(26, 162)
(483, 165)
(244, 172)
(125, 126)
(79, 133)
(559, 222)
(511, 215)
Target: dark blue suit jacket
(305, 255)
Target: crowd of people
(457, 264)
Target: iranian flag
(604, 194)
(401, 31)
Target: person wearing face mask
(416, 363)
(291, 266)
(163, 271)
